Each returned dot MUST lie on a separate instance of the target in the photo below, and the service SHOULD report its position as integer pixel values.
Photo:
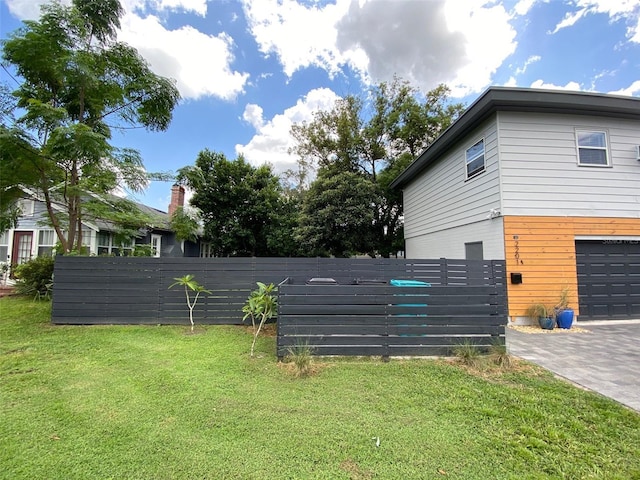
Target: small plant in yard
(260, 307)
(301, 355)
(468, 353)
(190, 284)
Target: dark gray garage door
(608, 279)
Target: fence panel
(386, 320)
(135, 290)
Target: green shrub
(35, 277)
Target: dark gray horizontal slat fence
(386, 321)
(135, 290)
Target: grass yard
(152, 402)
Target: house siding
(450, 242)
(441, 203)
(540, 174)
(442, 198)
(543, 250)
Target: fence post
(444, 273)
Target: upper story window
(592, 148)
(27, 207)
(475, 159)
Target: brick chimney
(177, 198)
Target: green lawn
(152, 402)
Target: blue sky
(248, 69)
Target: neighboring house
(33, 236)
(548, 181)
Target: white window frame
(5, 256)
(49, 245)
(605, 149)
(156, 244)
(468, 161)
(112, 247)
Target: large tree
(376, 137)
(337, 217)
(243, 208)
(77, 84)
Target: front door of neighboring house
(22, 242)
(156, 244)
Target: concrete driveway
(605, 360)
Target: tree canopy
(77, 84)
(374, 137)
(337, 215)
(243, 209)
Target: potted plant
(543, 313)
(564, 313)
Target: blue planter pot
(564, 318)
(546, 323)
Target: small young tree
(260, 307)
(189, 283)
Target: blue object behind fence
(409, 283)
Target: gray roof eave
(497, 99)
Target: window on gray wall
(592, 148)
(474, 157)
(473, 251)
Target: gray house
(548, 181)
(33, 235)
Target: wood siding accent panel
(543, 250)
(540, 175)
(441, 197)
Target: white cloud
(512, 82)
(490, 39)
(528, 61)
(196, 6)
(298, 35)
(272, 140)
(253, 115)
(26, 9)
(426, 42)
(30, 9)
(550, 86)
(523, 7)
(200, 63)
(627, 10)
(632, 90)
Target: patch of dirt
(355, 472)
(290, 368)
(267, 330)
(537, 330)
